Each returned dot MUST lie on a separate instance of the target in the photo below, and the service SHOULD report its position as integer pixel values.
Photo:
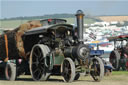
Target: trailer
(13, 59)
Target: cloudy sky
(16, 8)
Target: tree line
(41, 17)
(64, 15)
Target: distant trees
(64, 15)
(41, 17)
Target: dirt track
(55, 80)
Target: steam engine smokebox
(80, 52)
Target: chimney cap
(79, 12)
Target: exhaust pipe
(80, 24)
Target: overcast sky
(16, 8)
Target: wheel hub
(66, 70)
(83, 52)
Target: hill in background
(16, 21)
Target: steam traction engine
(119, 56)
(59, 49)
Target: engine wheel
(68, 70)
(114, 59)
(77, 76)
(10, 71)
(38, 69)
(97, 69)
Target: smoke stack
(80, 24)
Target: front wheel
(10, 71)
(77, 76)
(97, 69)
(68, 70)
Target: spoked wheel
(77, 76)
(38, 68)
(114, 59)
(68, 70)
(97, 69)
(10, 71)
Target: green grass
(73, 20)
(120, 73)
(16, 23)
(11, 23)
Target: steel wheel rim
(8, 71)
(96, 70)
(66, 70)
(37, 63)
(113, 60)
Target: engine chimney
(80, 24)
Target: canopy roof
(118, 38)
(45, 29)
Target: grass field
(11, 23)
(16, 23)
(120, 73)
(117, 78)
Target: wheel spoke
(42, 58)
(36, 70)
(35, 54)
(42, 67)
(68, 64)
(64, 64)
(35, 63)
(39, 74)
(40, 55)
(38, 51)
(66, 76)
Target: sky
(18, 8)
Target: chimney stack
(80, 24)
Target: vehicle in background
(119, 56)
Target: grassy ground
(117, 78)
(16, 23)
(120, 73)
(73, 21)
(11, 23)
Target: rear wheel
(68, 70)
(38, 68)
(114, 59)
(10, 71)
(97, 69)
